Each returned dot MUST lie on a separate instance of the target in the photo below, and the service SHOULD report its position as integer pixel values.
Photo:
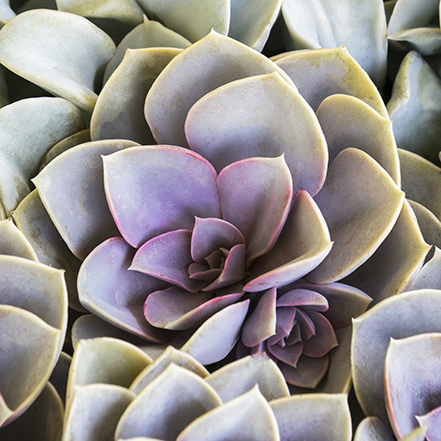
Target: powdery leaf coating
(251, 21)
(104, 360)
(347, 121)
(144, 183)
(43, 421)
(13, 242)
(413, 382)
(277, 120)
(429, 224)
(94, 412)
(431, 421)
(396, 261)
(6, 13)
(79, 209)
(192, 19)
(119, 110)
(148, 34)
(318, 23)
(110, 291)
(324, 72)
(302, 245)
(372, 429)
(421, 180)
(30, 349)
(183, 82)
(326, 415)
(429, 277)
(214, 340)
(238, 377)
(28, 128)
(410, 313)
(360, 203)
(33, 220)
(413, 27)
(63, 64)
(414, 107)
(256, 197)
(167, 405)
(170, 355)
(247, 417)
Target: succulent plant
(192, 193)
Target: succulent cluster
(216, 217)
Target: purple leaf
(177, 309)
(167, 258)
(154, 189)
(304, 298)
(308, 373)
(255, 197)
(288, 354)
(324, 338)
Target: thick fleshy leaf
(186, 82)
(34, 222)
(94, 412)
(65, 144)
(155, 189)
(345, 302)
(313, 416)
(177, 309)
(13, 242)
(277, 121)
(429, 277)
(29, 348)
(288, 355)
(308, 371)
(108, 289)
(398, 259)
(247, 417)
(34, 287)
(119, 110)
(412, 380)
(302, 245)
(414, 28)
(6, 13)
(318, 23)
(323, 72)
(28, 129)
(148, 34)
(284, 324)
(372, 429)
(431, 421)
(421, 180)
(78, 177)
(415, 108)
(429, 224)
(348, 121)
(251, 21)
(63, 64)
(170, 355)
(167, 257)
(261, 324)
(211, 234)
(324, 338)
(192, 19)
(256, 197)
(43, 421)
(360, 203)
(105, 360)
(410, 313)
(238, 377)
(167, 405)
(212, 341)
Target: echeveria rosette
(295, 326)
(211, 237)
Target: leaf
(167, 405)
(318, 23)
(372, 429)
(360, 203)
(320, 73)
(183, 82)
(261, 115)
(13, 242)
(410, 313)
(63, 64)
